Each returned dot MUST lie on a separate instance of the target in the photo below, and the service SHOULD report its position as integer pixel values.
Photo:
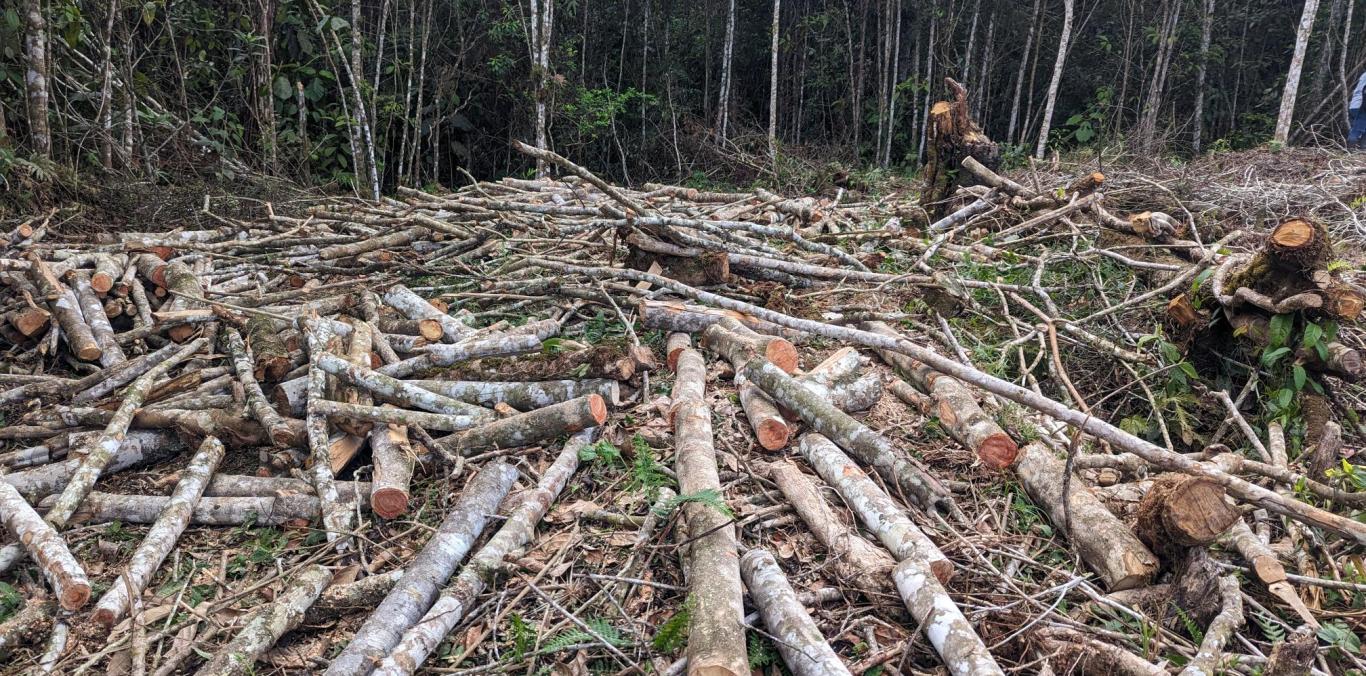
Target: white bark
(63, 572)
(1206, 27)
(723, 115)
(773, 84)
(1292, 78)
(799, 640)
(269, 624)
(1056, 81)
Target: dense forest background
(370, 94)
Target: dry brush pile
(563, 425)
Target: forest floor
(600, 588)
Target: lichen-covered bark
(344, 599)
(397, 416)
(211, 511)
(738, 348)
(428, 571)
(269, 624)
(944, 625)
(682, 317)
(799, 640)
(854, 560)
(716, 633)
(64, 306)
(770, 428)
(249, 486)
(418, 642)
(522, 396)
(414, 306)
(272, 358)
(137, 448)
(336, 518)
(531, 427)
(878, 512)
(161, 537)
(93, 311)
(92, 388)
(1230, 617)
(1101, 539)
(397, 391)
(62, 571)
(26, 625)
(873, 449)
(101, 450)
(257, 403)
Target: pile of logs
(458, 358)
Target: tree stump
(953, 135)
(1180, 512)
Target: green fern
(1273, 632)
(672, 635)
(523, 636)
(602, 451)
(1192, 627)
(646, 473)
(709, 497)
(761, 652)
(570, 637)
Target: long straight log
(878, 512)
(414, 594)
(211, 511)
(344, 599)
(679, 317)
(1102, 540)
(390, 415)
(395, 390)
(1118, 438)
(522, 396)
(804, 649)
(871, 448)
(716, 643)
(62, 571)
(419, 641)
(336, 518)
(531, 427)
(769, 425)
(137, 448)
(251, 486)
(162, 536)
(257, 403)
(269, 624)
(738, 344)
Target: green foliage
(575, 636)
(10, 601)
(592, 111)
(646, 473)
(672, 635)
(1337, 635)
(761, 651)
(1273, 631)
(602, 451)
(523, 635)
(709, 497)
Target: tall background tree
(373, 94)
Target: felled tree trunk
(268, 624)
(1103, 541)
(396, 416)
(211, 511)
(393, 389)
(93, 312)
(770, 427)
(393, 460)
(1230, 618)
(340, 600)
(737, 343)
(694, 267)
(854, 560)
(1289, 273)
(458, 598)
(414, 306)
(522, 396)
(336, 518)
(272, 359)
(137, 448)
(803, 648)
(680, 317)
(871, 448)
(1182, 511)
(414, 594)
(953, 135)
(64, 306)
(531, 427)
(162, 537)
(955, 406)
(62, 571)
(257, 403)
(716, 636)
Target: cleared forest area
(1022, 338)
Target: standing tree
(1020, 73)
(723, 114)
(1053, 84)
(542, 23)
(1205, 28)
(35, 48)
(773, 85)
(1292, 78)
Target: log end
(430, 329)
(773, 434)
(89, 352)
(74, 595)
(101, 282)
(104, 616)
(782, 354)
(597, 408)
(389, 503)
(180, 333)
(998, 451)
(942, 569)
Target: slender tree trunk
(727, 53)
(972, 44)
(1322, 66)
(981, 89)
(402, 175)
(35, 49)
(542, 24)
(1152, 103)
(929, 82)
(884, 46)
(1052, 98)
(858, 83)
(1342, 65)
(1292, 78)
(106, 113)
(1020, 73)
(891, 89)
(1206, 26)
(265, 90)
(773, 85)
(1124, 66)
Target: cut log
(803, 648)
(248, 486)
(162, 537)
(62, 571)
(871, 448)
(1103, 541)
(396, 416)
(878, 512)
(279, 431)
(457, 599)
(1182, 511)
(1300, 242)
(336, 518)
(272, 359)
(393, 460)
(737, 344)
(268, 624)
(414, 594)
(340, 600)
(108, 269)
(426, 328)
(674, 346)
(949, 632)
(66, 308)
(358, 350)
(1071, 649)
(525, 429)
(393, 389)
(137, 448)
(770, 427)
(210, 511)
(854, 560)
(716, 643)
(414, 306)
(31, 322)
(181, 280)
(522, 396)
(954, 405)
(682, 317)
